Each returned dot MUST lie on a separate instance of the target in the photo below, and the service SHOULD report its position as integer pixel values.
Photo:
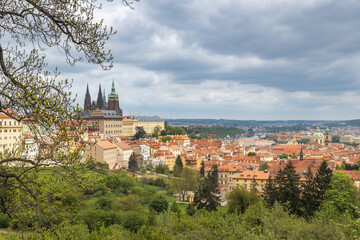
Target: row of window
(15, 123)
(7, 145)
(112, 126)
(13, 137)
(14, 130)
(113, 132)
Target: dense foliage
(217, 131)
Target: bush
(105, 203)
(4, 220)
(94, 219)
(120, 183)
(131, 203)
(190, 210)
(159, 204)
(133, 221)
(162, 169)
(160, 182)
(71, 199)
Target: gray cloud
(236, 59)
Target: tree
(159, 204)
(288, 188)
(213, 176)
(162, 168)
(202, 169)
(322, 180)
(156, 132)
(310, 202)
(32, 93)
(178, 167)
(342, 194)
(166, 139)
(188, 181)
(207, 195)
(270, 192)
(240, 199)
(133, 165)
(251, 154)
(283, 156)
(140, 133)
(263, 166)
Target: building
(10, 133)
(104, 116)
(149, 123)
(104, 152)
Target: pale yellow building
(128, 127)
(104, 152)
(148, 123)
(10, 133)
(106, 122)
(248, 178)
(124, 152)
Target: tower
(327, 137)
(301, 155)
(87, 102)
(100, 102)
(104, 100)
(113, 100)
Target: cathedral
(101, 103)
(105, 116)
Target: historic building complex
(106, 117)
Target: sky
(232, 59)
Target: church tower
(100, 101)
(327, 137)
(113, 100)
(87, 102)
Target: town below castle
(114, 138)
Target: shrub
(133, 221)
(159, 204)
(4, 220)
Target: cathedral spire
(100, 102)
(87, 102)
(113, 93)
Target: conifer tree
(322, 180)
(214, 176)
(270, 192)
(133, 165)
(207, 196)
(202, 169)
(309, 200)
(178, 167)
(289, 188)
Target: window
(245, 180)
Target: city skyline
(273, 60)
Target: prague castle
(106, 116)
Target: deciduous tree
(34, 94)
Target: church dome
(317, 133)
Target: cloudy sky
(233, 59)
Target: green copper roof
(113, 94)
(104, 96)
(318, 133)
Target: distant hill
(241, 123)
